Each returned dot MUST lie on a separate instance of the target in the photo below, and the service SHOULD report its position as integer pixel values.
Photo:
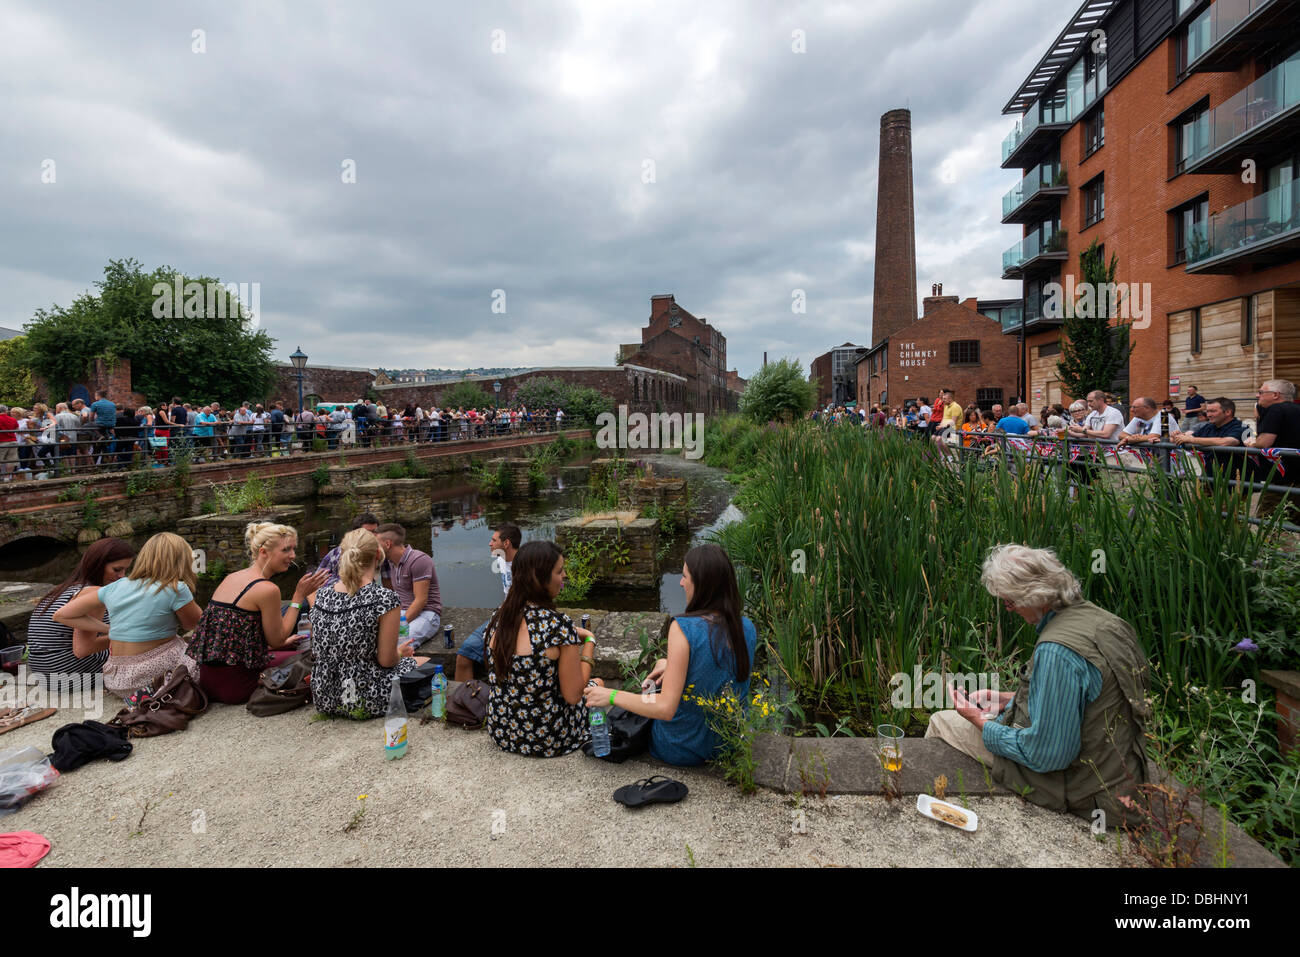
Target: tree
(197, 345)
(16, 384)
(778, 392)
(1092, 351)
(579, 402)
(464, 395)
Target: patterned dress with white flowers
(526, 713)
(346, 675)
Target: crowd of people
(1208, 426)
(126, 616)
(1072, 734)
(75, 436)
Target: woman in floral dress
(539, 661)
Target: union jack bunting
(1275, 456)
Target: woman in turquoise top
(710, 646)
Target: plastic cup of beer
(889, 744)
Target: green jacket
(1112, 757)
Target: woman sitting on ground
(242, 630)
(709, 647)
(149, 609)
(354, 635)
(54, 649)
(536, 665)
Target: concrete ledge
(849, 766)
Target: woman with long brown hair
(54, 649)
(709, 647)
(537, 663)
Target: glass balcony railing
(1031, 247)
(1247, 225)
(1218, 21)
(1043, 176)
(1275, 92)
(1011, 317)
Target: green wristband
(611, 698)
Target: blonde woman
(354, 635)
(243, 630)
(148, 609)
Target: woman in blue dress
(710, 646)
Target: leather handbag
(282, 688)
(467, 705)
(168, 709)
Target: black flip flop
(655, 790)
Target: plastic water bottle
(403, 629)
(395, 723)
(599, 725)
(438, 703)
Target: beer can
(586, 622)
(447, 635)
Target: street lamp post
(299, 360)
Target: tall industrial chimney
(893, 303)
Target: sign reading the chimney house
(909, 355)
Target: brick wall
(916, 362)
(821, 374)
(637, 388)
(332, 385)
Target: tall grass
(893, 541)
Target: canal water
(457, 534)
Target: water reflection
(456, 535)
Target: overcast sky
(520, 169)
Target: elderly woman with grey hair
(1071, 737)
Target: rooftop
(1059, 55)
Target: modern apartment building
(836, 374)
(1168, 131)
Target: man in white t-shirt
(923, 414)
(1104, 422)
(239, 430)
(505, 543)
(1145, 424)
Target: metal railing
(57, 452)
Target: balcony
(1032, 255)
(1261, 120)
(1036, 197)
(1036, 134)
(1232, 31)
(1035, 321)
(1010, 317)
(1261, 232)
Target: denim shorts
(474, 647)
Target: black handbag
(417, 686)
(629, 735)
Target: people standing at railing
(1013, 424)
(1278, 427)
(204, 423)
(240, 423)
(64, 431)
(1103, 423)
(275, 422)
(1195, 406)
(8, 444)
(104, 414)
(1148, 424)
(1221, 430)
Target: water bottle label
(394, 734)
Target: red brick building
(952, 346)
(1169, 131)
(675, 341)
(836, 375)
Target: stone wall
(668, 496)
(146, 501)
(331, 384)
(221, 537)
(639, 539)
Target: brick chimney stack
(894, 299)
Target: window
(1189, 229)
(1248, 321)
(988, 398)
(964, 352)
(1191, 136)
(1094, 201)
(1049, 349)
(1094, 131)
(1196, 331)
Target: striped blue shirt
(1064, 684)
